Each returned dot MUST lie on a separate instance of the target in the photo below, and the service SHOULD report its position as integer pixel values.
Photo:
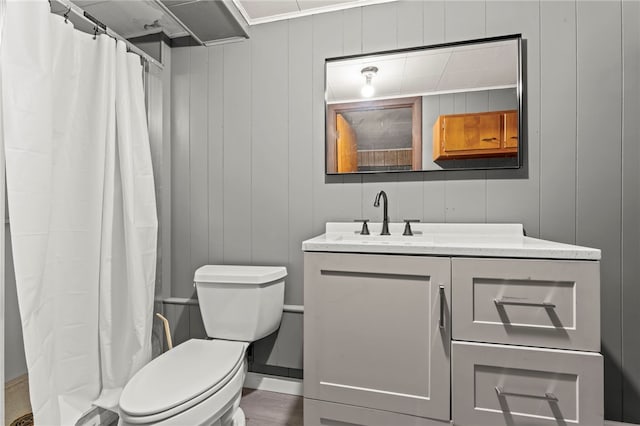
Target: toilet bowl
(200, 381)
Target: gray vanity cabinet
(377, 339)
(401, 340)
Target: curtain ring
(66, 15)
(95, 32)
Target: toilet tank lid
(239, 274)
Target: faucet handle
(407, 226)
(365, 228)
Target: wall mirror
(452, 106)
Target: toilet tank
(241, 303)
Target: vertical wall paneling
(300, 159)
(165, 196)
(196, 325)
(180, 173)
(178, 317)
(433, 198)
(579, 183)
(154, 90)
(380, 32)
(216, 154)
(352, 31)
(465, 192)
(598, 207)
(153, 94)
(270, 144)
(269, 155)
(237, 152)
(198, 158)
(328, 200)
(558, 121)
(514, 196)
(410, 28)
(351, 186)
(630, 209)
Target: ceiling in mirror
(422, 72)
(454, 106)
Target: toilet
(200, 381)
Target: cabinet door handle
(489, 139)
(441, 321)
(501, 302)
(548, 396)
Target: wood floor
(262, 408)
(16, 399)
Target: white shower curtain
(81, 207)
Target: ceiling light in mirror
(368, 90)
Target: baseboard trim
(273, 383)
(17, 381)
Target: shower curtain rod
(72, 8)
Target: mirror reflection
(453, 106)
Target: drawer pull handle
(441, 321)
(501, 302)
(548, 396)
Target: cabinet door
(377, 332)
(511, 129)
(471, 132)
(347, 143)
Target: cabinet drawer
(322, 413)
(548, 303)
(495, 385)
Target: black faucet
(385, 219)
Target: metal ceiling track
(208, 22)
(70, 8)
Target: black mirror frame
(520, 92)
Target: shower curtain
(81, 207)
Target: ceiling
(431, 71)
(261, 11)
(129, 17)
(135, 18)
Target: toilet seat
(180, 379)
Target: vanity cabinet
(377, 338)
(475, 135)
(443, 329)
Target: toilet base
(238, 418)
(234, 416)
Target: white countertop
(445, 239)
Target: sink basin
(356, 238)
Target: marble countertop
(445, 239)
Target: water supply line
(167, 330)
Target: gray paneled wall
(248, 180)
